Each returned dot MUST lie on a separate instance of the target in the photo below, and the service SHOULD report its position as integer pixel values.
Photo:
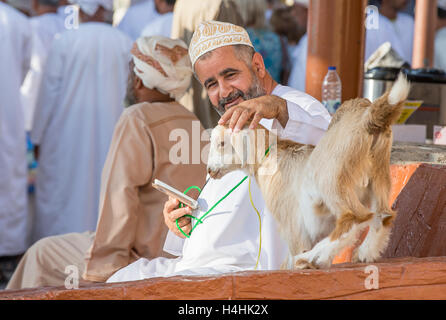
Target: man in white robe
(15, 53)
(161, 26)
(45, 25)
(141, 14)
(228, 240)
(80, 101)
(393, 26)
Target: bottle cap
(331, 68)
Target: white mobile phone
(174, 193)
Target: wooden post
(336, 37)
(424, 34)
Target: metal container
(428, 85)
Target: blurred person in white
(45, 25)
(393, 26)
(80, 100)
(15, 54)
(24, 6)
(162, 25)
(140, 14)
(131, 223)
(440, 37)
(299, 55)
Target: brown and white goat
(323, 197)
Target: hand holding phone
(174, 193)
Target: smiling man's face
(227, 79)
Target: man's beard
(256, 90)
(130, 98)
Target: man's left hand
(254, 110)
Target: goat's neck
(279, 187)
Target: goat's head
(230, 151)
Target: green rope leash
(200, 220)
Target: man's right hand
(172, 213)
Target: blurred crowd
(64, 67)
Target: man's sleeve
(127, 167)
(308, 120)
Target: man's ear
(258, 65)
(244, 146)
(137, 83)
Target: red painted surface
(420, 193)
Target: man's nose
(225, 90)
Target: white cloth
(91, 6)
(297, 77)
(399, 33)
(44, 28)
(440, 49)
(228, 239)
(161, 26)
(137, 17)
(175, 73)
(15, 52)
(80, 100)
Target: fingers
(178, 213)
(186, 229)
(226, 116)
(255, 121)
(171, 204)
(172, 213)
(244, 117)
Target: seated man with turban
(131, 224)
(240, 89)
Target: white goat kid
(323, 197)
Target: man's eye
(230, 75)
(210, 85)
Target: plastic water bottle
(332, 91)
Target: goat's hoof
(303, 264)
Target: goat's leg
(379, 233)
(325, 250)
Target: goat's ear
(244, 146)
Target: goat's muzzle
(215, 174)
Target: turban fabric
(163, 64)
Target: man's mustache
(232, 97)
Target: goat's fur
(323, 196)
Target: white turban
(91, 6)
(163, 64)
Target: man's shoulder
(94, 33)
(405, 18)
(153, 113)
(289, 93)
(13, 16)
